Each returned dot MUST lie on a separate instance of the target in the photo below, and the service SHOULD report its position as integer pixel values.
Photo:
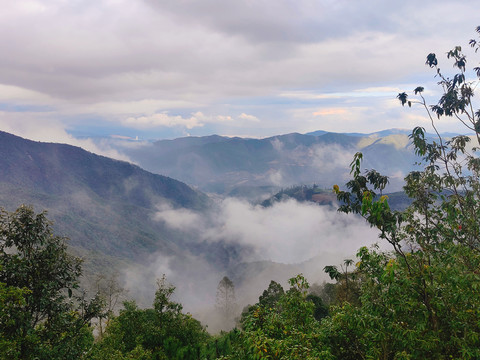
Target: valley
(239, 180)
(123, 219)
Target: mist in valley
(283, 240)
(144, 225)
(273, 243)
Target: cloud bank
(149, 68)
(304, 237)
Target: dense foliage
(40, 316)
(420, 301)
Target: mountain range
(247, 168)
(117, 214)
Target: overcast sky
(171, 68)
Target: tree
(287, 329)
(320, 310)
(161, 332)
(110, 291)
(421, 300)
(226, 301)
(346, 288)
(326, 291)
(43, 317)
(271, 295)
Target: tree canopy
(41, 315)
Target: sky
(157, 69)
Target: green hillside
(106, 207)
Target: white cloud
(287, 232)
(183, 219)
(304, 235)
(332, 161)
(247, 117)
(330, 111)
(277, 144)
(291, 232)
(162, 119)
(141, 60)
(197, 119)
(276, 178)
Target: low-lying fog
(290, 237)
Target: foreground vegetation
(419, 301)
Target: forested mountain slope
(106, 207)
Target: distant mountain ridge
(382, 133)
(376, 133)
(233, 166)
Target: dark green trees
(161, 332)
(271, 295)
(40, 317)
(421, 300)
(282, 325)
